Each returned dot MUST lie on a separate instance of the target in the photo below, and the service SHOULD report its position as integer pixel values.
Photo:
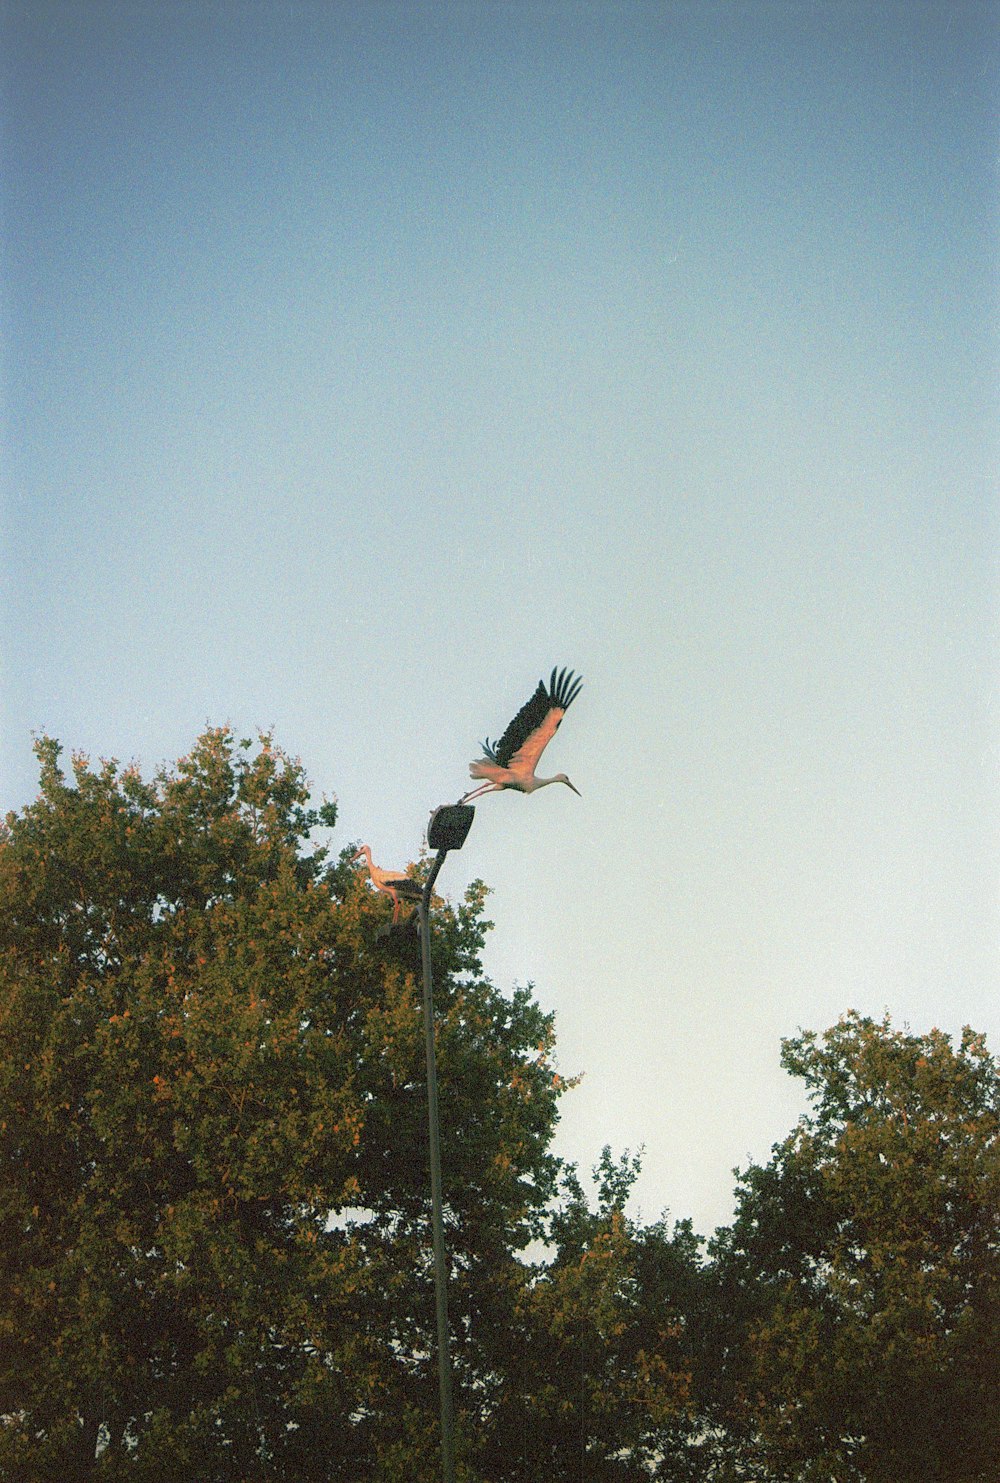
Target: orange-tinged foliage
(868, 1257)
(213, 1135)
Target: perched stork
(511, 762)
(392, 882)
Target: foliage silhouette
(215, 1257)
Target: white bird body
(392, 882)
(511, 762)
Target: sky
(362, 362)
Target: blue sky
(362, 362)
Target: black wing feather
(404, 884)
(562, 691)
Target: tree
(601, 1387)
(857, 1297)
(214, 1247)
(215, 1256)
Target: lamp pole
(448, 828)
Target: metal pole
(437, 1219)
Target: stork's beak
(575, 790)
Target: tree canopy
(861, 1276)
(215, 1254)
(205, 1059)
(215, 1258)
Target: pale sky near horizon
(361, 362)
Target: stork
(511, 762)
(393, 882)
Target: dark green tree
(855, 1324)
(600, 1389)
(214, 1247)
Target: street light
(447, 830)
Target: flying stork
(392, 882)
(511, 762)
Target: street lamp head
(449, 826)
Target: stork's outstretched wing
(536, 723)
